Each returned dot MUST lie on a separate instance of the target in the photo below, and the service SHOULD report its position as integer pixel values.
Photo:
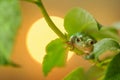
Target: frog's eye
(78, 40)
(91, 42)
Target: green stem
(49, 21)
(30, 1)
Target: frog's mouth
(86, 49)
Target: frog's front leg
(89, 56)
(99, 61)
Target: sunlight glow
(39, 35)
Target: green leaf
(55, 57)
(79, 20)
(106, 32)
(113, 70)
(94, 73)
(105, 49)
(77, 74)
(10, 19)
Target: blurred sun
(39, 35)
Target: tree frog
(82, 42)
(100, 51)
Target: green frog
(82, 42)
(97, 51)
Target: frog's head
(83, 42)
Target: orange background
(105, 11)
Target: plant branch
(33, 1)
(48, 20)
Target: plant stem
(30, 1)
(49, 21)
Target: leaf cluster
(79, 20)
